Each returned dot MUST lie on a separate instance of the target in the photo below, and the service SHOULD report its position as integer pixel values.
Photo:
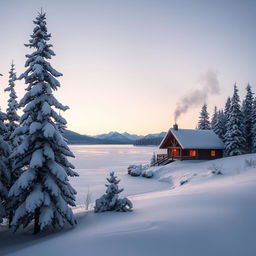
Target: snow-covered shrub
(110, 201)
(130, 167)
(147, 173)
(138, 170)
(216, 169)
(250, 163)
(182, 182)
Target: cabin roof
(198, 139)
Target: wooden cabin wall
(203, 154)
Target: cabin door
(173, 152)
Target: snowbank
(182, 172)
(209, 215)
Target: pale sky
(127, 63)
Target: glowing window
(192, 152)
(174, 152)
(213, 152)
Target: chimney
(175, 126)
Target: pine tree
(4, 171)
(227, 106)
(110, 201)
(42, 192)
(12, 122)
(220, 126)
(11, 112)
(214, 119)
(204, 123)
(226, 115)
(234, 138)
(254, 126)
(247, 118)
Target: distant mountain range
(112, 138)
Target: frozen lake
(94, 162)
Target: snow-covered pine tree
(203, 122)
(11, 111)
(254, 126)
(153, 159)
(42, 192)
(4, 171)
(227, 106)
(234, 138)
(247, 107)
(226, 115)
(12, 122)
(214, 119)
(110, 201)
(61, 126)
(220, 127)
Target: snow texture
(210, 215)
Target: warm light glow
(175, 152)
(213, 152)
(192, 152)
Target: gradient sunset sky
(126, 64)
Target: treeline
(149, 141)
(235, 124)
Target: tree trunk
(36, 224)
(10, 218)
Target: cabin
(189, 144)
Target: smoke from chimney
(199, 96)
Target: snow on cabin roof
(200, 139)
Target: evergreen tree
(204, 123)
(234, 138)
(227, 106)
(42, 192)
(110, 201)
(214, 119)
(254, 126)
(220, 126)
(247, 118)
(226, 115)
(11, 124)
(11, 112)
(4, 171)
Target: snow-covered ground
(208, 215)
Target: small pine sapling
(110, 201)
